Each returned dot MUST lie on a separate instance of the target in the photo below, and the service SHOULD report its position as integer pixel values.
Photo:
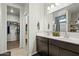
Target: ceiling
(73, 8)
(16, 11)
(21, 4)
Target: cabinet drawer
(42, 46)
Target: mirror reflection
(73, 18)
(60, 23)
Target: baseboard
(6, 54)
(3, 51)
(34, 53)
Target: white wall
(3, 27)
(48, 19)
(69, 20)
(36, 13)
(26, 19)
(26, 8)
(22, 28)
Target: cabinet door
(64, 52)
(56, 49)
(42, 46)
(53, 50)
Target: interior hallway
(13, 47)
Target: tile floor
(15, 50)
(18, 52)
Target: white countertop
(61, 38)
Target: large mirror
(67, 21)
(73, 16)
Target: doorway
(13, 27)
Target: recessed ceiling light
(11, 11)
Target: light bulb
(57, 4)
(52, 6)
(11, 10)
(48, 8)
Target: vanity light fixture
(56, 4)
(52, 6)
(48, 8)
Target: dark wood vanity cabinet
(58, 48)
(64, 52)
(42, 46)
(52, 47)
(53, 50)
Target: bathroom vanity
(65, 20)
(56, 46)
